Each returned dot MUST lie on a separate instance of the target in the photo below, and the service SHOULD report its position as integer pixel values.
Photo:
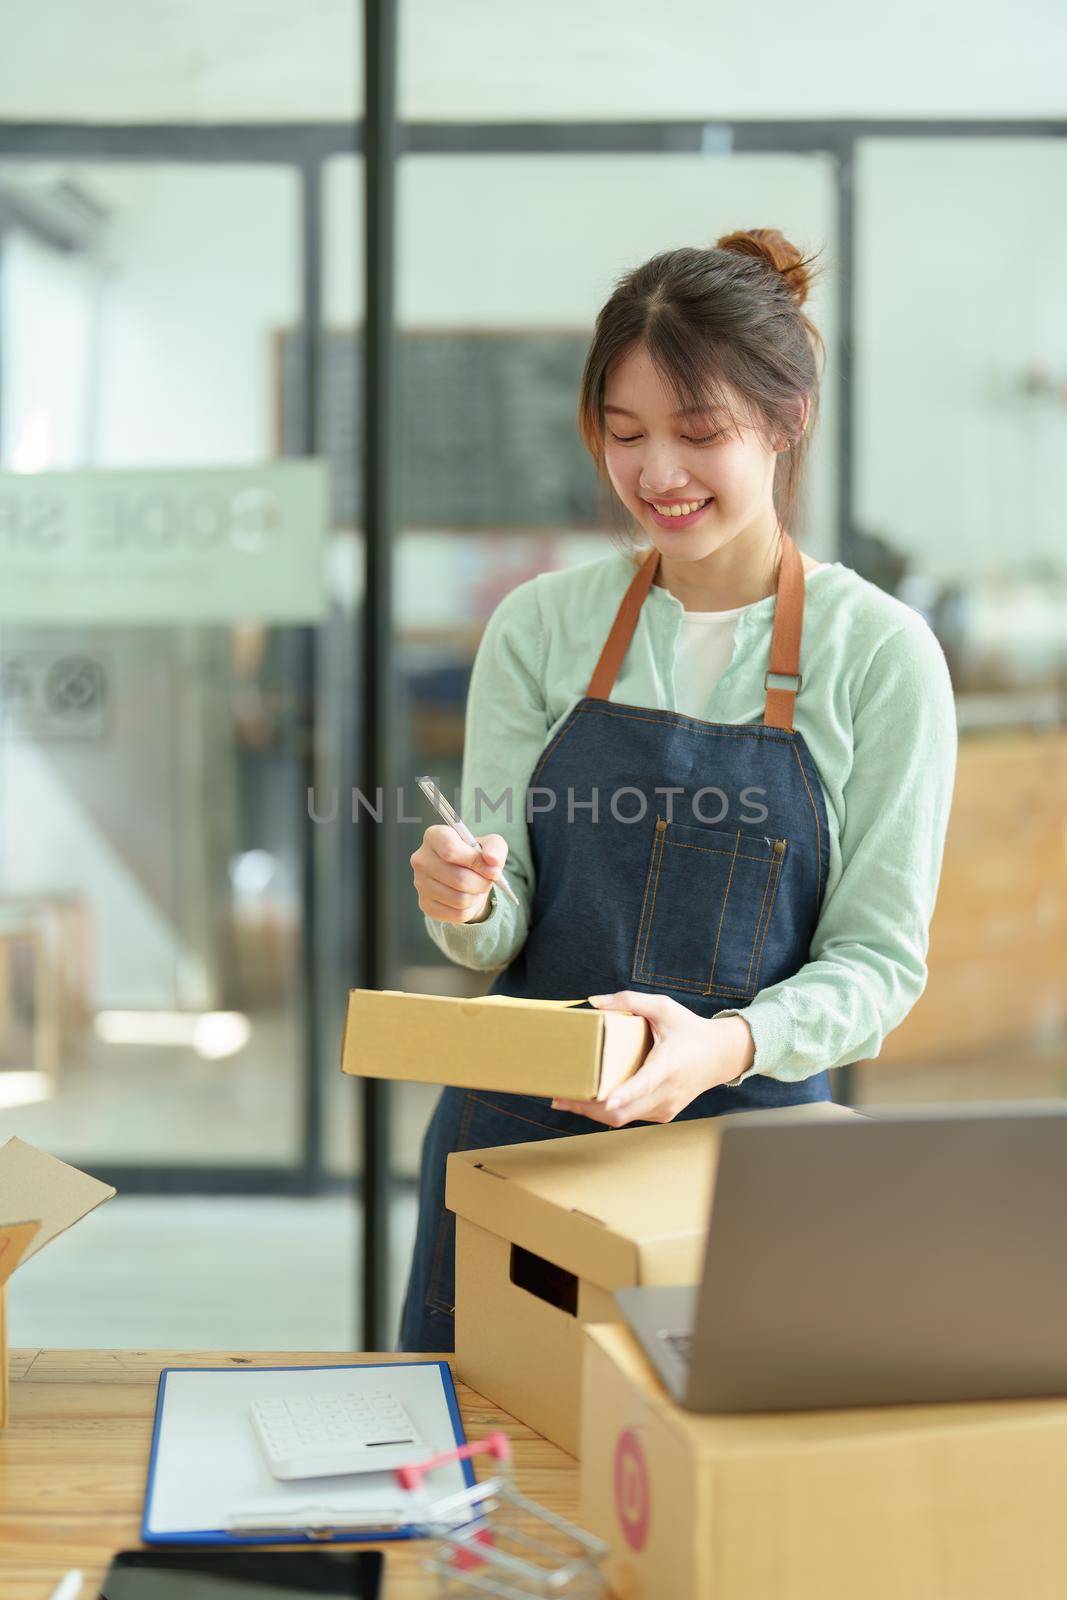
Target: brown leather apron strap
(622, 630)
(785, 640)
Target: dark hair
(730, 315)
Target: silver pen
(69, 1586)
(319, 1522)
(431, 789)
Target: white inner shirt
(705, 645)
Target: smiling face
(694, 481)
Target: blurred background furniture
(44, 980)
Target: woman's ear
(801, 412)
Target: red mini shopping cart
(492, 1540)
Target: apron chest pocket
(707, 905)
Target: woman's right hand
(453, 878)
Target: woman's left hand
(689, 1055)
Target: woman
(724, 769)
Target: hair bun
(775, 251)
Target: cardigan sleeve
(505, 730)
(867, 962)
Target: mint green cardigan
(877, 711)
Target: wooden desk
(74, 1457)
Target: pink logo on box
(633, 1500)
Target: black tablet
(216, 1574)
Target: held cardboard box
(539, 1047)
(545, 1232)
(946, 1502)
(40, 1197)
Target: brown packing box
(948, 1502)
(545, 1232)
(540, 1047)
(40, 1197)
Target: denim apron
(672, 855)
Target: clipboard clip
(317, 1522)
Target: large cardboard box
(40, 1197)
(546, 1232)
(948, 1502)
(540, 1047)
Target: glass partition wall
(150, 795)
(175, 941)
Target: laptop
(910, 1256)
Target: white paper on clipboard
(207, 1467)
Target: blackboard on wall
(488, 429)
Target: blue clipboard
(181, 1438)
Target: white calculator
(316, 1436)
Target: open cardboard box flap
(622, 1207)
(43, 1195)
(590, 1204)
(40, 1197)
(14, 1237)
